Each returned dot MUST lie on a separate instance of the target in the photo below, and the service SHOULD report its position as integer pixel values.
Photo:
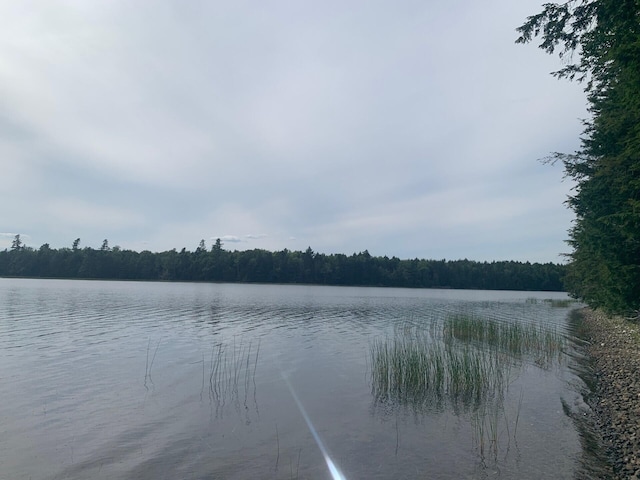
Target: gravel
(614, 350)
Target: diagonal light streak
(336, 474)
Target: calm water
(120, 380)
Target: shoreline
(613, 350)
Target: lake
(136, 380)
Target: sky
(406, 128)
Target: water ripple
(133, 379)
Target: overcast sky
(406, 128)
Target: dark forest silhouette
(285, 266)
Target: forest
(261, 266)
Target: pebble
(617, 401)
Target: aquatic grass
(467, 362)
(560, 302)
(471, 361)
(515, 431)
(232, 366)
(515, 338)
(485, 423)
(148, 367)
(410, 369)
(554, 302)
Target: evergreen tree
(604, 35)
(16, 244)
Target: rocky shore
(614, 349)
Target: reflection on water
(119, 380)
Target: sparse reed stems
(397, 436)
(493, 432)
(255, 365)
(486, 430)
(478, 424)
(277, 447)
(297, 465)
(148, 366)
(515, 429)
(202, 388)
(231, 370)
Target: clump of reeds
(410, 369)
(406, 369)
(554, 302)
(515, 338)
(469, 363)
(560, 302)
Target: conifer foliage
(600, 40)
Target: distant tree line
(285, 266)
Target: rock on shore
(614, 348)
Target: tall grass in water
(554, 302)
(467, 364)
(561, 303)
(411, 369)
(514, 338)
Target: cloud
(230, 239)
(407, 129)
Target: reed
(554, 302)
(560, 303)
(515, 338)
(469, 363)
(278, 447)
(411, 369)
(149, 366)
(230, 368)
(486, 434)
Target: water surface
(123, 380)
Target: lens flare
(336, 474)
